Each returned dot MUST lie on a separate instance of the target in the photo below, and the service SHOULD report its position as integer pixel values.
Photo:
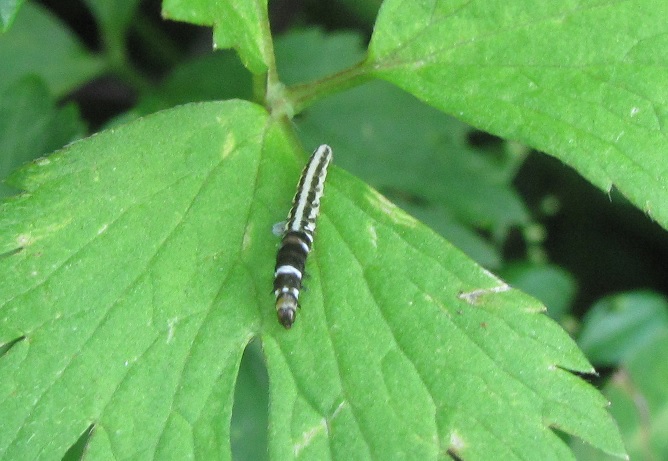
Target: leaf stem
(304, 95)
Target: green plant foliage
(116, 254)
(64, 64)
(308, 54)
(615, 328)
(417, 156)
(8, 11)
(552, 285)
(31, 125)
(136, 265)
(196, 80)
(138, 316)
(562, 77)
(113, 17)
(639, 402)
(238, 24)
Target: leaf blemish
(338, 410)
(472, 297)
(23, 240)
(323, 426)
(308, 436)
(228, 146)
(247, 239)
(457, 443)
(170, 328)
(373, 235)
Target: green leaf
(639, 403)
(615, 328)
(445, 376)
(584, 81)
(198, 79)
(239, 24)
(31, 125)
(305, 55)
(552, 285)
(363, 10)
(8, 12)
(64, 64)
(114, 17)
(138, 266)
(126, 282)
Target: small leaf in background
(114, 17)
(64, 64)
(8, 12)
(583, 81)
(245, 27)
(550, 284)
(305, 55)
(639, 403)
(31, 125)
(617, 327)
(195, 80)
(365, 10)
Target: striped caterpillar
(298, 235)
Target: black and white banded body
(298, 235)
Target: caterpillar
(298, 235)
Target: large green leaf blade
(583, 81)
(418, 351)
(122, 271)
(137, 267)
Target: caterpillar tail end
(286, 310)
